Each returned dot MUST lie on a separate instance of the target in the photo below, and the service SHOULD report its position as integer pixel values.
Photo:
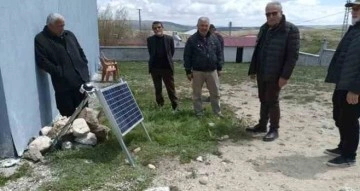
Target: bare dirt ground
(294, 162)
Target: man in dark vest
(273, 61)
(161, 67)
(344, 71)
(58, 52)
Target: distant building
(239, 49)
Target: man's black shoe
(341, 161)
(271, 135)
(333, 152)
(256, 129)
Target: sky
(239, 12)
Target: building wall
(247, 54)
(28, 92)
(230, 54)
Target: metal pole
(146, 132)
(346, 19)
(139, 20)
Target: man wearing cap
(344, 71)
(273, 61)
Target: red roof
(241, 41)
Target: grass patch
(23, 170)
(179, 135)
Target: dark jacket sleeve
(220, 56)
(149, 50)
(188, 56)
(352, 60)
(252, 67)
(172, 46)
(43, 62)
(292, 52)
(221, 39)
(82, 54)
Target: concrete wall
(6, 142)
(27, 91)
(326, 57)
(306, 59)
(140, 53)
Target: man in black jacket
(273, 61)
(344, 71)
(203, 60)
(161, 67)
(58, 52)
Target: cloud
(221, 12)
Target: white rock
(57, 127)
(45, 130)
(137, 150)
(204, 180)
(91, 117)
(80, 127)
(6, 163)
(66, 145)
(33, 154)
(88, 139)
(346, 189)
(41, 143)
(151, 166)
(200, 159)
(211, 124)
(158, 189)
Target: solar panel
(122, 106)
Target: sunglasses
(271, 14)
(357, 8)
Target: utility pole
(346, 20)
(139, 20)
(230, 28)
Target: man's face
(212, 30)
(158, 29)
(57, 27)
(203, 27)
(355, 12)
(273, 15)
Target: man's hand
(282, 82)
(219, 73)
(352, 98)
(189, 76)
(253, 76)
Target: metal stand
(146, 132)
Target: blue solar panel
(122, 106)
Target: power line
(323, 17)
